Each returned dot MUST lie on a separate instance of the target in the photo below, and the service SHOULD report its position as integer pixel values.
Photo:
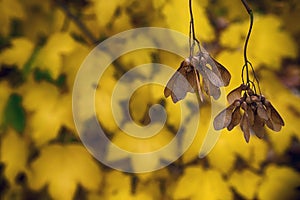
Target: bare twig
(77, 21)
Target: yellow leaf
(245, 183)
(270, 43)
(192, 152)
(50, 56)
(286, 103)
(258, 152)
(231, 144)
(105, 10)
(137, 57)
(63, 168)
(222, 157)
(158, 4)
(103, 99)
(9, 9)
(279, 183)
(197, 183)
(14, 154)
(48, 115)
(155, 175)
(18, 54)
(232, 36)
(142, 99)
(148, 145)
(45, 22)
(73, 61)
(188, 178)
(234, 9)
(121, 23)
(104, 111)
(119, 186)
(177, 17)
(116, 189)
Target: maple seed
(187, 78)
(257, 112)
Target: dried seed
(245, 127)
(234, 94)
(223, 119)
(235, 118)
(258, 127)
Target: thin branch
(192, 30)
(247, 62)
(78, 23)
(249, 10)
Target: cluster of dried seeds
(197, 74)
(252, 111)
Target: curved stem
(247, 62)
(192, 34)
(249, 10)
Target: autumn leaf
(177, 17)
(197, 183)
(62, 168)
(10, 9)
(192, 152)
(105, 11)
(149, 146)
(279, 183)
(262, 48)
(14, 152)
(18, 53)
(73, 61)
(51, 55)
(287, 105)
(245, 183)
(48, 115)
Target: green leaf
(14, 114)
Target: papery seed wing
(211, 89)
(273, 114)
(250, 115)
(211, 76)
(245, 127)
(223, 119)
(215, 72)
(194, 80)
(258, 127)
(234, 94)
(261, 111)
(178, 85)
(219, 69)
(235, 118)
(204, 64)
(168, 88)
(273, 126)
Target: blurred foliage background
(43, 43)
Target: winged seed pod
(192, 71)
(251, 111)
